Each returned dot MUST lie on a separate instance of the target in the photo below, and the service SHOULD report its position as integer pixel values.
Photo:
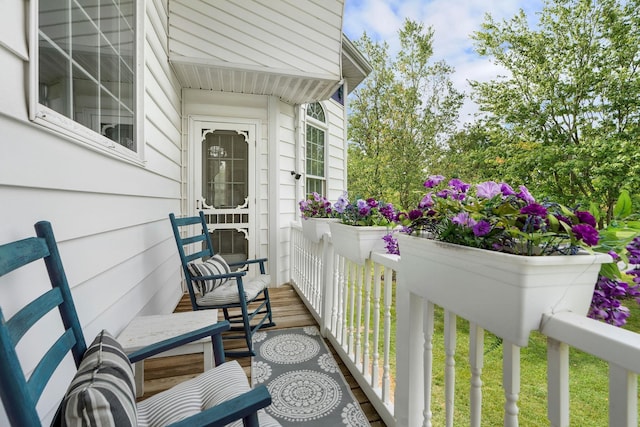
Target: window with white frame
(316, 131)
(86, 69)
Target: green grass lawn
(588, 378)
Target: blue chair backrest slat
(49, 363)
(24, 319)
(17, 254)
(193, 239)
(186, 221)
(197, 256)
(19, 394)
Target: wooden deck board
(288, 311)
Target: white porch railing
(353, 305)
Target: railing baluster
(623, 392)
(557, 383)
(427, 327)
(511, 382)
(450, 364)
(352, 305)
(476, 362)
(358, 328)
(340, 303)
(375, 373)
(367, 317)
(386, 374)
(345, 302)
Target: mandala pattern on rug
(303, 395)
(327, 363)
(289, 349)
(260, 371)
(353, 416)
(305, 381)
(259, 336)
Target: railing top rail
(387, 260)
(607, 342)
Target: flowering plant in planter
(316, 206)
(618, 282)
(369, 212)
(495, 217)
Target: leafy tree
(570, 102)
(405, 109)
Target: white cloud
(453, 22)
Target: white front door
(222, 160)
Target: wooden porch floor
(289, 312)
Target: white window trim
(71, 130)
(324, 126)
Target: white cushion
(214, 266)
(228, 293)
(191, 397)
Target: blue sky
(452, 20)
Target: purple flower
(433, 181)
(614, 255)
(459, 185)
(341, 204)
(463, 218)
(372, 203)
(388, 211)
(506, 189)
(488, 190)
(525, 195)
(586, 218)
(482, 228)
(391, 243)
(414, 214)
(427, 201)
(586, 233)
(534, 210)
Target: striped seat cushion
(228, 293)
(207, 390)
(102, 391)
(213, 266)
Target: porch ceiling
(293, 50)
(294, 89)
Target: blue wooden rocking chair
(212, 284)
(103, 387)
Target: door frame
(195, 122)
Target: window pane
(54, 85)
(85, 39)
(54, 23)
(95, 40)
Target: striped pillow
(102, 391)
(213, 266)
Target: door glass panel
(224, 169)
(231, 244)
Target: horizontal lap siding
(277, 35)
(336, 172)
(110, 217)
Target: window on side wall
(86, 71)
(316, 131)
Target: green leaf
(623, 207)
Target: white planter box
(314, 228)
(503, 293)
(357, 242)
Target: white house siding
(282, 36)
(110, 216)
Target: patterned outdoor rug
(304, 380)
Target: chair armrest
(214, 331)
(260, 261)
(231, 410)
(232, 275)
(249, 261)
